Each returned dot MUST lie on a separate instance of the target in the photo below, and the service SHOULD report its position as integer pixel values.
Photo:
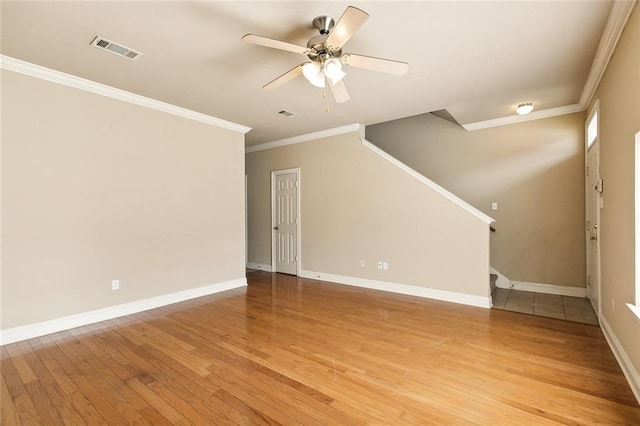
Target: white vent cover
(287, 114)
(115, 48)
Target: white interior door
(285, 221)
(593, 205)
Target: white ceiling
(476, 59)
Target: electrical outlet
(362, 263)
(385, 265)
(115, 284)
(379, 264)
(494, 206)
(613, 304)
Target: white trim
(246, 221)
(411, 290)
(631, 374)
(260, 266)
(536, 115)
(356, 127)
(26, 68)
(298, 222)
(431, 184)
(502, 281)
(561, 290)
(637, 218)
(24, 332)
(618, 17)
(635, 309)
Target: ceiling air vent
(115, 48)
(287, 114)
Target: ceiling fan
(325, 54)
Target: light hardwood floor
(293, 351)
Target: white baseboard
(561, 290)
(24, 332)
(260, 266)
(411, 290)
(628, 369)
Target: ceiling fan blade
(339, 91)
(284, 78)
(376, 64)
(275, 44)
(347, 25)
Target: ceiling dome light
(524, 108)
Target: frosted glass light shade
(318, 81)
(333, 70)
(524, 108)
(310, 70)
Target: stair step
(492, 280)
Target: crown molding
(536, 115)
(350, 128)
(618, 17)
(37, 71)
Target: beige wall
(95, 189)
(355, 205)
(619, 95)
(533, 170)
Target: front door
(593, 200)
(285, 221)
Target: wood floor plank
(46, 408)
(85, 377)
(286, 350)
(167, 411)
(20, 363)
(8, 411)
(165, 370)
(86, 412)
(21, 399)
(50, 401)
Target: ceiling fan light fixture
(524, 108)
(325, 55)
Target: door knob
(593, 238)
(276, 228)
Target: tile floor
(576, 309)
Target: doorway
(593, 200)
(285, 221)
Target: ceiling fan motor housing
(324, 24)
(319, 51)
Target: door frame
(597, 278)
(275, 173)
